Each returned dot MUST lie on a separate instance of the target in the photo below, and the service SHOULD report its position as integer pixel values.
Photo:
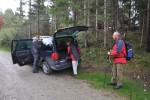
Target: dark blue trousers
(35, 56)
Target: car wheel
(46, 69)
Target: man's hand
(108, 53)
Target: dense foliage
(44, 17)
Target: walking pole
(106, 68)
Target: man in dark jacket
(119, 60)
(74, 55)
(34, 50)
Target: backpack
(129, 51)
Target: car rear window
(45, 47)
(47, 43)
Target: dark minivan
(52, 56)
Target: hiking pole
(106, 68)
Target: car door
(21, 51)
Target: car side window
(24, 45)
(29, 44)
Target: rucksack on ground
(129, 51)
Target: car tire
(46, 69)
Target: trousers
(35, 57)
(117, 74)
(75, 65)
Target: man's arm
(119, 44)
(117, 50)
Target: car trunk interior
(61, 47)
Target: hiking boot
(113, 84)
(117, 87)
(35, 71)
(73, 74)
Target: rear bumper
(58, 65)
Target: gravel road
(19, 83)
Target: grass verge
(131, 89)
(7, 49)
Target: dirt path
(19, 83)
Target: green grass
(96, 79)
(131, 89)
(5, 48)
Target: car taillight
(54, 56)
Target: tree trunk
(88, 21)
(29, 19)
(113, 12)
(21, 8)
(129, 14)
(121, 16)
(96, 20)
(105, 24)
(117, 15)
(38, 19)
(141, 42)
(53, 23)
(148, 27)
(85, 21)
(75, 14)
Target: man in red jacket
(119, 60)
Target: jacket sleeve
(69, 50)
(113, 52)
(119, 44)
(117, 48)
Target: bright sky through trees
(6, 4)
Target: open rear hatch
(70, 31)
